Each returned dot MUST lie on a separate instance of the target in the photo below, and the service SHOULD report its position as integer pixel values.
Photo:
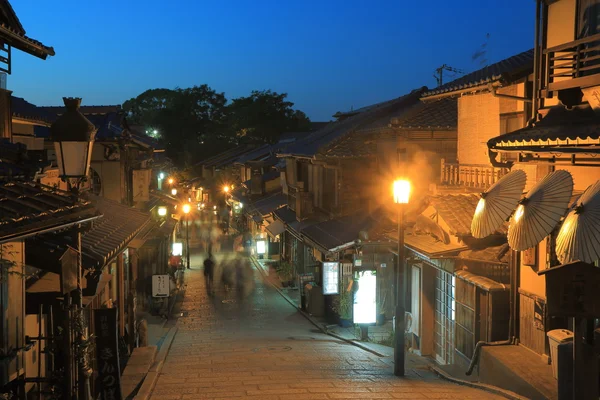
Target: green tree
(263, 116)
(145, 108)
(191, 121)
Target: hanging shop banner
(331, 278)
(141, 184)
(160, 286)
(365, 299)
(107, 354)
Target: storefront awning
(560, 131)
(276, 228)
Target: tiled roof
(111, 234)
(440, 114)
(9, 17)
(27, 207)
(427, 245)
(341, 231)
(25, 110)
(456, 210)
(285, 214)
(19, 40)
(494, 254)
(560, 129)
(257, 153)
(98, 109)
(269, 203)
(435, 115)
(310, 145)
(511, 68)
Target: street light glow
(162, 211)
(186, 208)
(155, 131)
(174, 192)
(401, 191)
(226, 189)
(161, 176)
(171, 181)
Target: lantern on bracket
(73, 136)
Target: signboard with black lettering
(160, 286)
(107, 354)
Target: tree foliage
(263, 116)
(195, 123)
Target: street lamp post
(186, 211)
(73, 135)
(401, 197)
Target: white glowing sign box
(365, 299)
(261, 247)
(331, 278)
(178, 249)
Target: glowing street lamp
(186, 210)
(401, 192)
(162, 211)
(171, 180)
(226, 189)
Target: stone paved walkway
(260, 347)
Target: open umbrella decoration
(540, 210)
(497, 203)
(579, 235)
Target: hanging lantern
(73, 137)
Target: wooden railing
(470, 175)
(572, 64)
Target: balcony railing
(572, 64)
(470, 175)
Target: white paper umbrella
(579, 235)
(497, 203)
(540, 210)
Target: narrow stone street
(261, 347)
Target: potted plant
(343, 307)
(285, 272)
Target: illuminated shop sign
(365, 299)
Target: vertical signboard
(107, 354)
(365, 299)
(160, 286)
(141, 184)
(331, 278)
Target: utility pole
(439, 73)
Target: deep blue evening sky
(327, 55)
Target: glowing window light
(261, 247)
(365, 299)
(177, 249)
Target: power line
(439, 73)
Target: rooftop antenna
(439, 73)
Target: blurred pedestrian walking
(209, 271)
